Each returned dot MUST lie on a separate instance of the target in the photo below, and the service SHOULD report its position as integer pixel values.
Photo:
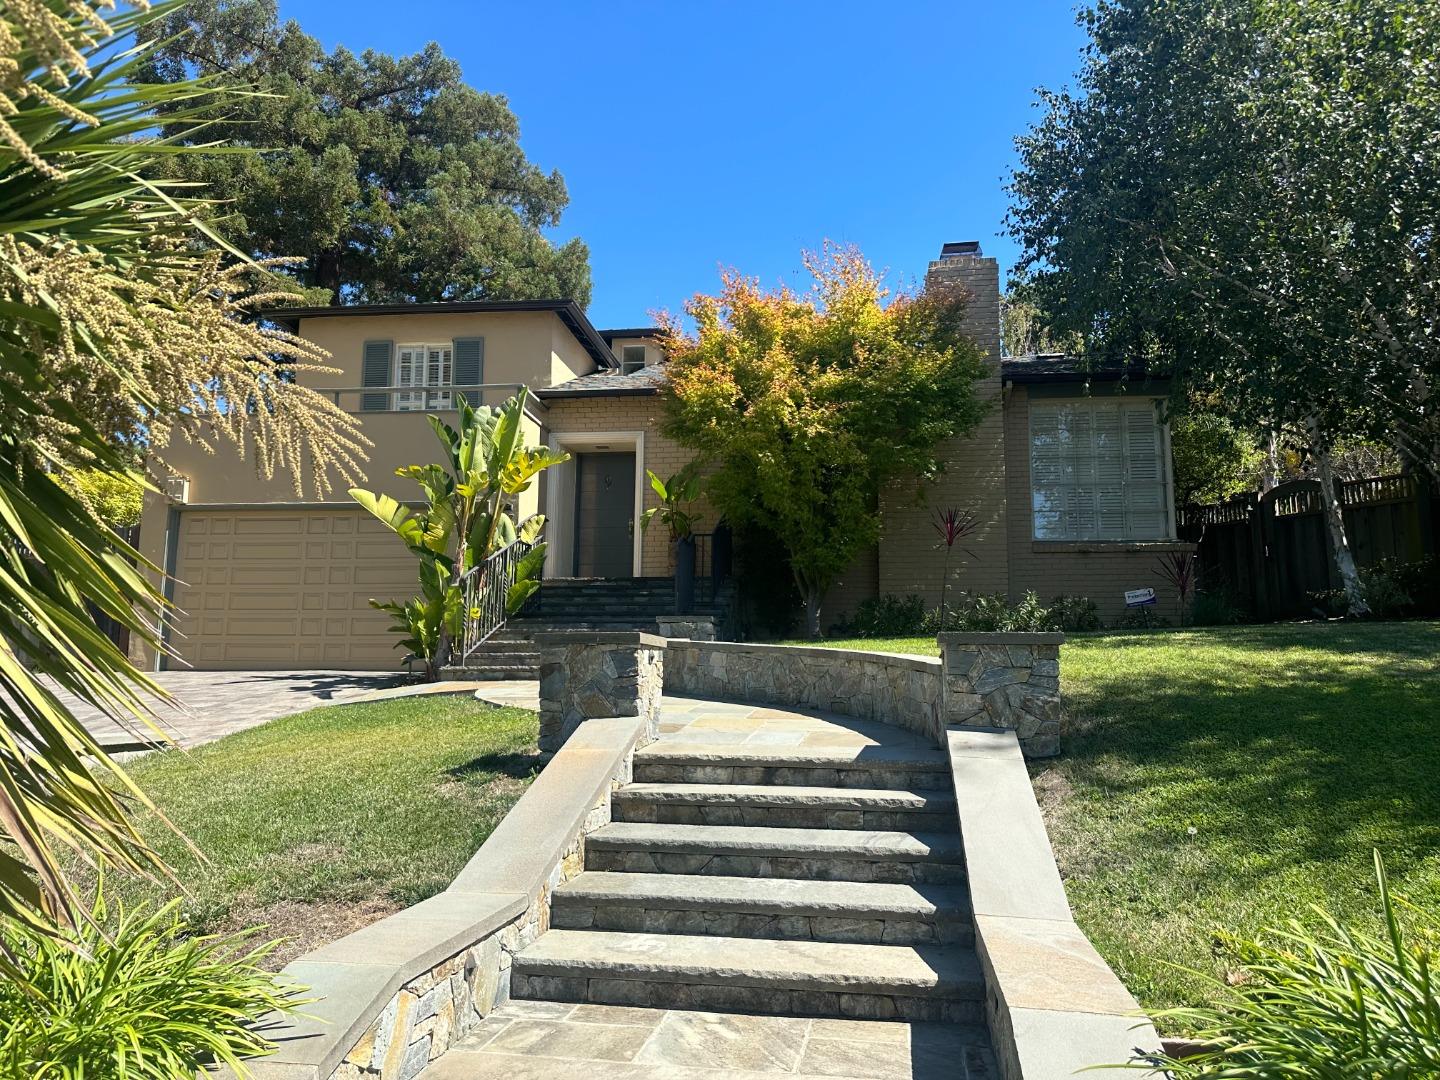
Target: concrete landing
(528, 1040)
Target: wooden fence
(1272, 551)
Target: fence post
(1259, 562)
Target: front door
(604, 515)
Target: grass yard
(319, 823)
(1231, 777)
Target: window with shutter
(424, 367)
(1097, 471)
(470, 365)
(375, 371)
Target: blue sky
(695, 133)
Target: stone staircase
(817, 882)
(579, 604)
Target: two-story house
(1069, 473)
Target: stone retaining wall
(1007, 681)
(1052, 1004)
(395, 995)
(585, 675)
(885, 687)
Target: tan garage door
(274, 589)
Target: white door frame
(562, 517)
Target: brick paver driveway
(216, 703)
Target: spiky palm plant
(121, 327)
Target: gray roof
(647, 380)
(1059, 367)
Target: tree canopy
(391, 177)
(804, 405)
(1244, 194)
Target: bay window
(1098, 471)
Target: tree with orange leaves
(805, 405)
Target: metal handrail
(476, 389)
(485, 589)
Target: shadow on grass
(522, 765)
(1280, 745)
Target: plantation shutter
(1097, 472)
(1145, 487)
(375, 368)
(470, 365)
(1109, 474)
(1047, 473)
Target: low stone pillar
(691, 627)
(586, 675)
(1004, 681)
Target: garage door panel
(281, 589)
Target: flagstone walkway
(528, 1040)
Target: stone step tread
(869, 845)
(903, 970)
(916, 758)
(788, 795)
(766, 896)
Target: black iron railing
(713, 564)
(485, 590)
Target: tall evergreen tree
(392, 178)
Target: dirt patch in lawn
(306, 926)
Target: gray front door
(604, 515)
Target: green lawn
(1232, 777)
(318, 823)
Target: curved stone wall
(887, 687)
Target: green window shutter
(377, 370)
(470, 364)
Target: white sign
(1139, 597)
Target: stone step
(796, 978)
(899, 767)
(786, 806)
(746, 851)
(867, 912)
(491, 673)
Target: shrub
(1075, 614)
(993, 613)
(1141, 618)
(888, 616)
(1215, 607)
(1330, 1002)
(1389, 587)
(132, 997)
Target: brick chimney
(962, 263)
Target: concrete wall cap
(962, 638)
(601, 637)
(905, 660)
(1053, 1004)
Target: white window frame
(624, 368)
(1095, 487)
(437, 369)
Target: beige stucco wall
(1103, 571)
(530, 347)
(663, 455)
(653, 353)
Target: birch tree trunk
(1335, 523)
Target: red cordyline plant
(953, 525)
(1178, 568)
